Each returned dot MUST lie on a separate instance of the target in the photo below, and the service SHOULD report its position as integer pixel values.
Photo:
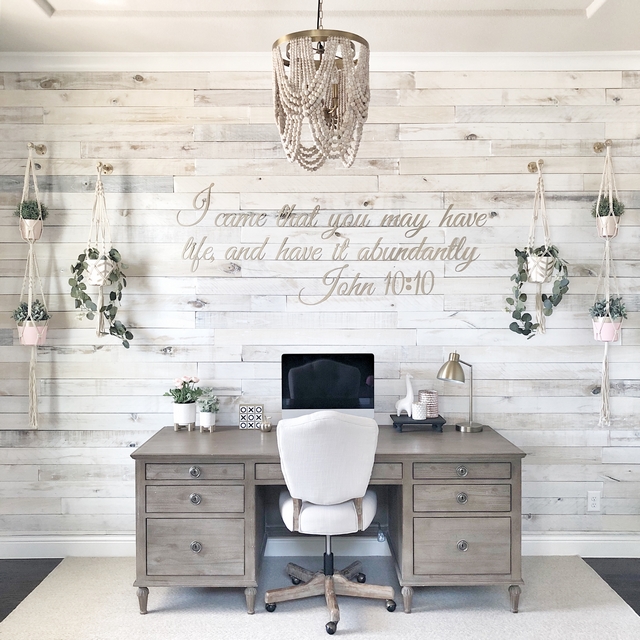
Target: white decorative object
(207, 421)
(419, 411)
(323, 78)
(405, 403)
(250, 416)
(184, 415)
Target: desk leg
(250, 595)
(514, 592)
(407, 598)
(143, 596)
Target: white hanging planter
(32, 334)
(99, 270)
(607, 226)
(207, 421)
(30, 230)
(606, 330)
(540, 268)
(184, 415)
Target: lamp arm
(470, 390)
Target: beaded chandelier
(322, 77)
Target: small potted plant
(209, 405)
(32, 327)
(31, 213)
(115, 278)
(606, 316)
(538, 266)
(607, 214)
(184, 394)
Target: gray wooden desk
(454, 504)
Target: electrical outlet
(593, 500)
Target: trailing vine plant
(116, 280)
(522, 320)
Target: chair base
(339, 583)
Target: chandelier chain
(320, 14)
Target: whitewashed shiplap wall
(434, 140)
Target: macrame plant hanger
(607, 285)
(100, 268)
(33, 331)
(539, 268)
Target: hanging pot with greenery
(537, 265)
(100, 265)
(607, 208)
(606, 317)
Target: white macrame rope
(605, 415)
(539, 211)
(31, 170)
(100, 231)
(33, 389)
(607, 183)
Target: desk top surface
(231, 443)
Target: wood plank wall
(433, 140)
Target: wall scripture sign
(333, 246)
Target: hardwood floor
(19, 577)
(622, 575)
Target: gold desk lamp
(451, 371)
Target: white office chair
(327, 459)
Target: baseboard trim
(587, 545)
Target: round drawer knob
(195, 498)
(462, 545)
(462, 498)
(195, 472)
(196, 546)
(462, 471)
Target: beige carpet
(93, 599)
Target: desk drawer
(195, 499)
(187, 471)
(458, 546)
(195, 547)
(461, 497)
(462, 470)
(381, 471)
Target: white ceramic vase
(30, 230)
(184, 415)
(607, 226)
(98, 271)
(540, 268)
(208, 420)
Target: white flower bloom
(177, 381)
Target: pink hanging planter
(605, 330)
(30, 230)
(32, 333)
(607, 226)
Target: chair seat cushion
(329, 520)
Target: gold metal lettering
(339, 287)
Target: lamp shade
(451, 370)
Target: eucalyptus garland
(116, 279)
(522, 320)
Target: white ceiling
(253, 25)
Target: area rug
(93, 599)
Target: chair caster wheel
(296, 580)
(391, 605)
(331, 627)
(270, 607)
(361, 578)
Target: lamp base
(469, 427)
